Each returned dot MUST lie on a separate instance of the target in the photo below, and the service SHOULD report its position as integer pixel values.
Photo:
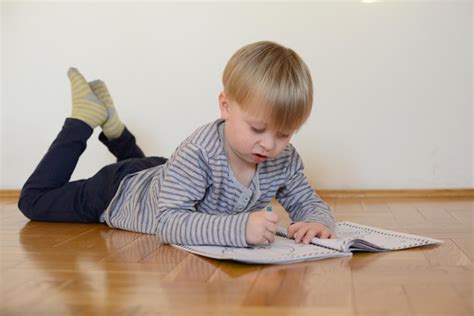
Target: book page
(283, 250)
(356, 237)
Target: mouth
(259, 158)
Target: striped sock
(85, 104)
(113, 126)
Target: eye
(281, 135)
(257, 130)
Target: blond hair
(265, 78)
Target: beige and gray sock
(86, 106)
(113, 126)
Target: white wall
(393, 81)
(1, 98)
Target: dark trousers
(49, 196)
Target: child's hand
(304, 232)
(261, 227)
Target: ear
(224, 105)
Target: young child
(214, 187)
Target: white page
(383, 239)
(283, 250)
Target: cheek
(281, 144)
(242, 138)
(247, 138)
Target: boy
(210, 191)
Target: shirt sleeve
(300, 199)
(185, 183)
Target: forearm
(304, 205)
(301, 201)
(317, 211)
(191, 228)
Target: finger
(293, 228)
(269, 237)
(332, 234)
(301, 233)
(324, 234)
(271, 217)
(310, 234)
(272, 228)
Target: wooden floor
(71, 269)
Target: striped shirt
(195, 198)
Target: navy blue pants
(49, 196)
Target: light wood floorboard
(77, 269)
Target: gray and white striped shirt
(196, 199)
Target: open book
(350, 237)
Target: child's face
(247, 136)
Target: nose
(267, 142)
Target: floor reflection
(108, 271)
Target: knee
(25, 204)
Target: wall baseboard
(347, 194)
(9, 194)
(400, 193)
